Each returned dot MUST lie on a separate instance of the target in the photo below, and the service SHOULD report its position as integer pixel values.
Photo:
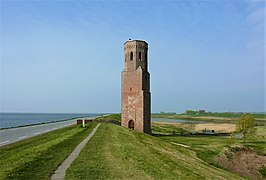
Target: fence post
(83, 122)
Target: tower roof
(137, 40)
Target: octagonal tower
(136, 96)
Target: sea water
(8, 120)
(176, 120)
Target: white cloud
(256, 42)
(257, 18)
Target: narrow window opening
(139, 56)
(131, 56)
(146, 57)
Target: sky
(67, 56)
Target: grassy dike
(38, 157)
(115, 152)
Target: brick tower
(136, 96)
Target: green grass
(208, 148)
(167, 129)
(116, 152)
(113, 117)
(39, 157)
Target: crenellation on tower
(136, 101)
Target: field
(223, 152)
(219, 128)
(115, 152)
(246, 159)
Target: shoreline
(49, 122)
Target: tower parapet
(136, 54)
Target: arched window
(131, 56)
(131, 124)
(139, 56)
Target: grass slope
(115, 152)
(39, 157)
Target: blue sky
(67, 56)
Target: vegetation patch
(38, 157)
(243, 161)
(263, 171)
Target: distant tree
(202, 112)
(190, 112)
(246, 125)
(171, 113)
(167, 113)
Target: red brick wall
(136, 88)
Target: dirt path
(183, 145)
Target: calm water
(19, 119)
(175, 120)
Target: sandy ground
(217, 127)
(224, 127)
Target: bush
(262, 170)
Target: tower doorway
(131, 124)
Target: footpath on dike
(61, 170)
